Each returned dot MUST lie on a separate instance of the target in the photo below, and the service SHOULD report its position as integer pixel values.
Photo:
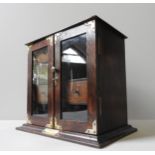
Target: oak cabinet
(77, 85)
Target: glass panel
(40, 82)
(74, 79)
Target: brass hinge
(56, 37)
(93, 129)
(56, 125)
(50, 124)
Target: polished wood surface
(111, 82)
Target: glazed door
(40, 92)
(75, 79)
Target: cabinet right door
(75, 79)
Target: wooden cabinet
(77, 85)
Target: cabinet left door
(40, 92)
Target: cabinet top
(80, 23)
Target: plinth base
(98, 141)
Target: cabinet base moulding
(97, 141)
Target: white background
(21, 23)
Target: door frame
(89, 127)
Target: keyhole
(76, 92)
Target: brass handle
(53, 68)
(55, 72)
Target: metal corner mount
(93, 129)
(29, 120)
(29, 47)
(91, 24)
(50, 39)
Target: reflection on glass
(40, 82)
(74, 79)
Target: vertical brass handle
(55, 72)
(53, 69)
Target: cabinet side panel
(111, 87)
